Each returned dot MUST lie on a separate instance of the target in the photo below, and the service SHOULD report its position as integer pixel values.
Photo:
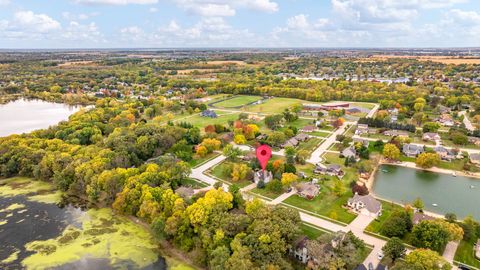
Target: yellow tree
(239, 171)
(289, 179)
(391, 151)
(427, 160)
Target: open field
(226, 62)
(274, 105)
(310, 231)
(237, 101)
(439, 59)
(201, 122)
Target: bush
(274, 186)
(397, 225)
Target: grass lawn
(307, 168)
(193, 183)
(388, 209)
(266, 193)
(309, 145)
(363, 105)
(201, 122)
(320, 133)
(237, 101)
(465, 254)
(326, 204)
(300, 123)
(310, 231)
(220, 171)
(274, 105)
(197, 161)
(456, 165)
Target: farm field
(201, 122)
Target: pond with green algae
(37, 234)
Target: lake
(459, 195)
(23, 115)
(37, 234)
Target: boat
(434, 204)
(472, 186)
(454, 174)
(383, 170)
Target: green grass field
(266, 193)
(326, 204)
(237, 101)
(465, 254)
(219, 171)
(274, 105)
(309, 145)
(319, 133)
(310, 231)
(193, 183)
(388, 209)
(201, 122)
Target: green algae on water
(38, 191)
(12, 207)
(13, 257)
(102, 235)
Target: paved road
(198, 173)
(373, 111)
(450, 250)
(466, 121)
(316, 155)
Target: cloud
(225, 8)
(116, 2)
(78, 17)
(4, 2)
(82, 33)
(153, 10)
(27, 20)
(207, 32)
(466, 18)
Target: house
(290, 142)
(431, 136)
(185, 192)
(301, 137)
(364, 142)
(419, 217)
(361, 129)
(260, 175)
(396, 133)
(444, 153)
(393, 118)
(300, 251)
(349, 152)
(366, 205)
(308, 129)
(249, 156)
(330, 169)
(475, 158)
(446, 120)
(443, 109)
(209, 113)
(412, 150)
(474, 140)
(353, 110)
(307, 190)
(360, 267)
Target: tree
(427, 160)
(290, 154)
(302, 156)
(276, 138)
(219, 257)
(394, 249)
(391, 151)
(424, 259)
(431, 127)
(458, 138)
(289, 179)
(338, 122)
(211, 144)
(418, 203)
(202, 151)
(231, 152)
(451, 217)
(274, 185)
(239, 171)
(397, 225)
(430, 234)
(273, 121)
(240, 139)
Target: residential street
(316, 155)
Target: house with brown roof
(396, 133)
(307, 190)
(431, 136)
(308, 129)
(330, 169)
(475, 158)
(419, 217)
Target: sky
(29, 24)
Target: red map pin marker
(264, 153)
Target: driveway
(450, 250)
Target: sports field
(201, 122)
(237, 101)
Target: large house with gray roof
(412, 150)
(366, 205)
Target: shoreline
(370, 182)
